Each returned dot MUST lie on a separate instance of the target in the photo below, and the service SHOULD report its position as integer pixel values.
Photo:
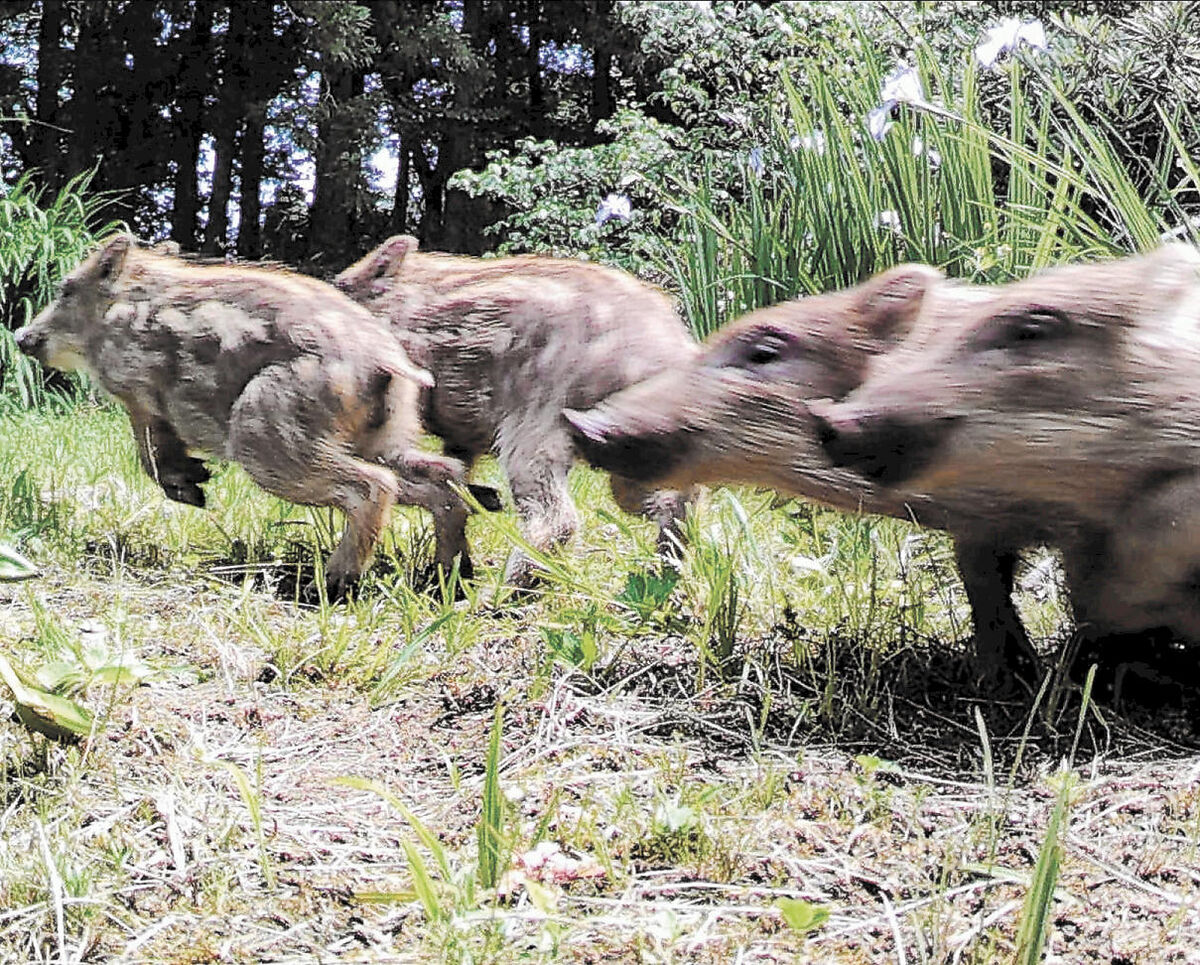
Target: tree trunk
(189, 130)
(89, 103)
(226, 122)
(46, 140)
(398, 222)
(249, 243)
(602, 100)
(338, 165)
(533, 67)
(218, 199)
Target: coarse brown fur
(511, 342)
(278, 372)
(738, 414)
(1071, 397)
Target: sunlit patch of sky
(565, 58)
(383, 166)
(279, 139)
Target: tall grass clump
(41, 239)
(854, 173)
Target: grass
(777, 755)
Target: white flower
(889, 220)
(614, 206)
(932, 156)
(879, 121)
(813, 141)
(755, 161)
(1007, 36)
(902, 86)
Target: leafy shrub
(39, 243)
(754, 176)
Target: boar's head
(1024, 386)
(737, 412)
(58, 336)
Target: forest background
(306, 131)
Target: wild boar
(511, 342)
(1071, 397)
(278, 372)
(737, 413)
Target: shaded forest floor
(676, 757)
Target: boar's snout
(887, 450)
(642, 458)
(30, 340)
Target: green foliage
(824, 204)
(648, 592)
(14, 566)
(43, 712)
(1039, 899)
(40, 241)
(489, 832)
(251, 795)
(753, 177)
(571, 648)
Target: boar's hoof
(184, 492)
(1148, 669)
(181, 481)
(488, 497)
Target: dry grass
(824, 760)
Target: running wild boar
(737, 413)
(278, 372)
(1071, 396)
(511, 342)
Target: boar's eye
(763, 349)
(1024, 328)
(1037, 324)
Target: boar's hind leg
(288, 446)
(537, 470)
(665, 507)
(1002, 647)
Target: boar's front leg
(1002, 647)
(295, 449)
(165, 459)
(424, 480)
(537, 466)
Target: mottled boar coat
(1072, 396)
(511, 342)
(276, 371)
(737, 414)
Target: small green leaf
(55, 717)
(422, 882)
(14, 566)
(802, 916)
(675, 817)
(543, 898)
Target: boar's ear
(1173, 267)
(391, 255)
(110, 259)
(892, 300)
